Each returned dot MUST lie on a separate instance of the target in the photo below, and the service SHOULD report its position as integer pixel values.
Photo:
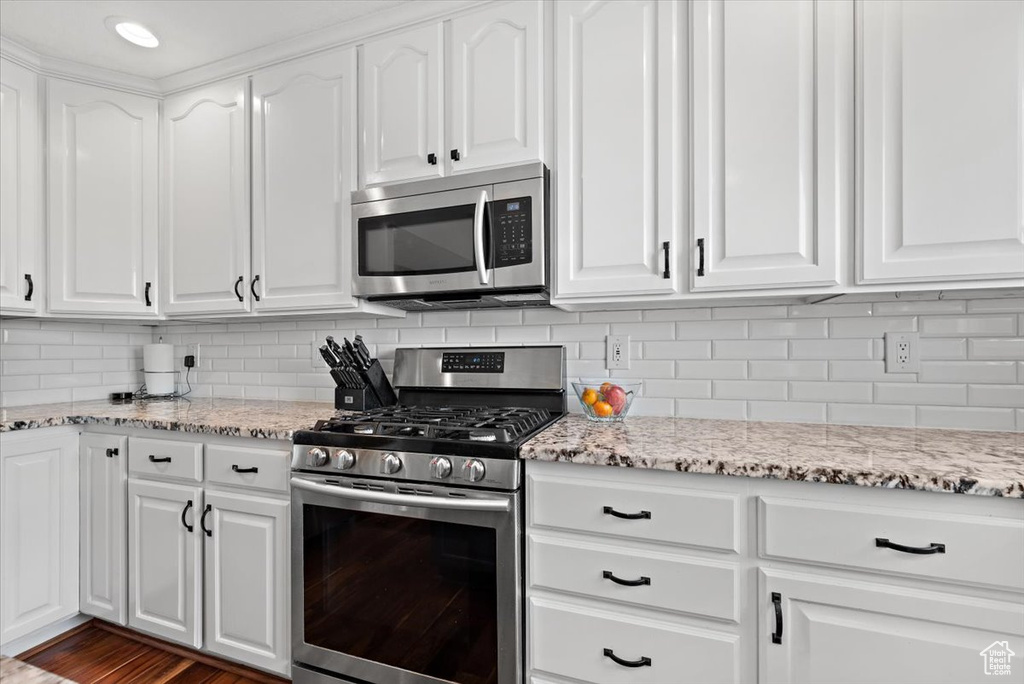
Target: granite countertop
(962, 461)
(228, 417)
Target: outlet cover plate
(902, 352)
(617, 352)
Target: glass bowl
(606, 400)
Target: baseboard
(41, 637)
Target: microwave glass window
(418, 242)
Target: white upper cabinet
(102, 200)
(772, 141)
(205, 232)
(304, 157)
(496, 86)
(401, 102)
(21, 226)
(942, 138)
(620, 93)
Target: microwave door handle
(410, 500)
(478, 238)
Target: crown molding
(75, 71)
(320, 40)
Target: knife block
(375, 394)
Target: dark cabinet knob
(455, 155)
(432, 159)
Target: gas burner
(482, 436)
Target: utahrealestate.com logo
(997, 658)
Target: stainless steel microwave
(470, 241)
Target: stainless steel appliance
(474, 240)
(407, 549)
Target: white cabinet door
(205, 236)
(496, 90)
(165, 560)
(304, 154)
(401, 104)
(21, 185)
(38, 532)
(102, 188)
(838, 631)
(103, 470)
(942, 138)
(621, 92)
(247, 588)
(772, 141)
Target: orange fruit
(602, 409)
(589, 396)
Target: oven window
(416, 594)
(417, 242)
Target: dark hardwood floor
(97, 652)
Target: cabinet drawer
(846, 536)
(570, 641)
(685, 585)
(232, 465)
(165, 458)
(661, 514)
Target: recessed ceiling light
(136, 33)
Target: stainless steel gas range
(407, 550)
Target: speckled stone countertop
(228, 417)
(967, 462)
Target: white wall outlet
(617, 351)
(902, 352)
(193, 350)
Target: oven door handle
(411, 500)
(478, 238)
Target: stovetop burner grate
(468, 423)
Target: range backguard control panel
(512, 231)
(473, 362)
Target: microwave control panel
(512, 231)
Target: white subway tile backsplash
(961, 326)
(711, 330)
(968, 371)
(726, 370)
(830, 349)
(811, 328)
(812, 363)
(750, 389)
(750, 349)
(971, 418)
(942, 395)
(872, 414)
(787, 411)
(995, 395)
(871, 327)
(996, 348)
(788, 370)
(848, 392)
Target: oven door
(438, 242)
(406, 588)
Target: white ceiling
(192, 33)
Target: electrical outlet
(902, 352)
(617, 351)
(193, 351)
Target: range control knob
(440, 467)
(390, 464)
(345, 460)
(318, 457)
(473, 470)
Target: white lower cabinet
(165, 546)
(103, 469)
(38, 531)
(246, 579)
(832, 631)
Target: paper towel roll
(158, 358)
(159, 384)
